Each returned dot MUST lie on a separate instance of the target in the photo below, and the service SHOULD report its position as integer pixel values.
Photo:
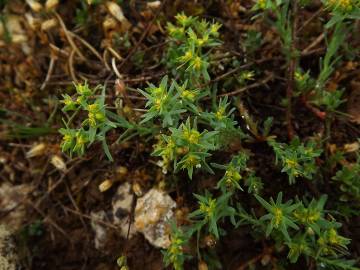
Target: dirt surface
(51, 49)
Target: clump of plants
(190, 126)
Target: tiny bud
(127, 110)
(36, 150)
(105, 185)
(58, 163)
(210, 241)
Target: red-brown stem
(318, 113)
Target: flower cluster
(92, 128)
(189, 40)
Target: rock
(11, 202)
(8, 257)
(118, 216)
(121, 208)
(100, 230)
(152, 214)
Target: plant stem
(291, 74)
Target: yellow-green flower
(344, 5)
(197, 63)
(191, 161)
(261, 4)
(183, 20)
(95, 114)
(208, 208)
(83, 89)
(278, 216)
(187, 94)
(187, 56)
(220, 114)
(214, 28)
(291, 163)
(192, 136)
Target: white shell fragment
(36, 150)
(105, 185)
(152, 214)
(116, 11)
(34, 5)
(58, 163)
(51, 4)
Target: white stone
(152, 215)
(121, 208)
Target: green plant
(297, 159)
(211, 211)
(279, 215)
(348, 177)
(93, 128)
(95, 125)
(232, 177)
(331, 58)
(187, 147)
(283, 22)
(188, 54)
(342, 10)
(193, 129)
(175, 254)
(163, 103)
(304, 228)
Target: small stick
(254, 85)
(320, 114)
(146, 31)
(71, 66)
(49, 72)
(68, 37)
(116, 71)
(314, 43)
(86, 44)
